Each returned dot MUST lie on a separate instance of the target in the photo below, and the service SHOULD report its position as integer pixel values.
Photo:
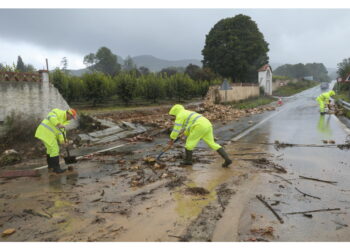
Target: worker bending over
(323, 99)
(50, 132)
(195, 127)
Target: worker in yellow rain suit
(195, 127)
(50, 133)
(323, 99)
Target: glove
(60, 126)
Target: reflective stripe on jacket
(324, 97)
(186, 121)
(47, 127)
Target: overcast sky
(294, 35)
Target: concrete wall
(36, 98)
(238, 92)
(278, 83)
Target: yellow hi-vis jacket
(47, 128)
(325, 97)
(186, 121)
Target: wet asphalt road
(299, 122)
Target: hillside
(152, 63)
(155, 64)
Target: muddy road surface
(125, 194)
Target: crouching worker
(195, 127)
(50, 133)
(323, 100)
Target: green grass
(253, 102)
(294, 88)
(345, 96)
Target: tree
(299, 71)
(64, 63)
(344, 68)
(193, 71)
(180, 86)
(235, 48)
(20, 65)
(144, 70)
(129, 64)
(60, 80)
(152, 87)
(125, 86)
(89, 60)
(104, 61)
(169, 71)
(29, 68)
(97, 86)
(317, 70)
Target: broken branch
(314, 179)
(260, 198)
(315, 211)
(307, 194)
(282, 178)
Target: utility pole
(47, 65)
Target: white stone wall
(33, 98)
(265, 80)
(238, 92)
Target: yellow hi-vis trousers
(52, 147)
(321, 103)
(198, 132)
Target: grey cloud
(294, 35)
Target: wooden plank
(19, 173)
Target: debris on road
(196, 191)
(284, 179)
(264, 163)
(261, 198)
(10, 157)
(307, 194)
(314, 179)
(268, 231)
(315, 211)
(8, 232)
(36, 213)
(19, 173)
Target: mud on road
(127, 195)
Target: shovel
(166, 149)
(68, 159)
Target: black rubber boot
(224, 155)
(49, 162)
(56, 165)
(188, 158)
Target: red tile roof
(264, 68)
(347, 79)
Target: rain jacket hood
(176, 109)
(331, 93)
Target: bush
(294, 87)
(19, 128)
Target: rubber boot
(56, 165)
(49, 162)
(188, 158)
(224, 155)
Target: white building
(265, 78)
